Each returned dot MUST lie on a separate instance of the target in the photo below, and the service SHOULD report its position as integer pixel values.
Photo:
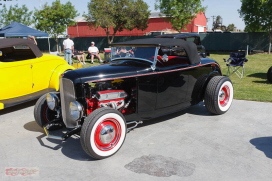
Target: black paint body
(159, 91)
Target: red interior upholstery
(174, 60)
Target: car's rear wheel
(103, 133)
(219, 95)
(42, 113)
(269, 75)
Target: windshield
(147, 53)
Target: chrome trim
(67, 95)
(132, 127)
(153, 66)
(110, 95)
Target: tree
(217, 23)
(180, 12)
(257, 16)
(15, 13)
(231, 27)
(116, 15)
(55, 19)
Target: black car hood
(113, 70)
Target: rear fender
(209, 77)
(201, 85)
(55, 78)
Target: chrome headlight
(76, 110)
(52, 101)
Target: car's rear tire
(103, 133)
(269, 75)
(42, 113)
(219, 95)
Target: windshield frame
(113, 53)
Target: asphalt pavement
(190, 145)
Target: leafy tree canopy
(116, 15)
(54, 19)
(180, 12)
(15, 13)
(257, 16)
(231, 27)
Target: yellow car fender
(55, 78)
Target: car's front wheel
(42, 113)
(269, 75)
(219, 95)
(103, 133)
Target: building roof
(152, 15)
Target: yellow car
(26, 73)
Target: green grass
(254, 85)
(88, 62)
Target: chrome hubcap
(107, 134)
(222, 95)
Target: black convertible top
(178, 35)
(190, 47)
(10, 42)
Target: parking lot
(188, 145)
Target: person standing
(68, 46)
(93, 50)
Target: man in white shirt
(68, 46)
(93, 51)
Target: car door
(171, 88)
(16, 78)
(147, 93)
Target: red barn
(155, 24)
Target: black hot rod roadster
(145, 78)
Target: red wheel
(103, 133)
(224, 96)
(107, 134)
(219, 95)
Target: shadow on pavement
(72, 147)
(33, 126)
(198, 109)
(263, 144)
(18, 107)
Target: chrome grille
(67, 95)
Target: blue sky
(227, 9)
